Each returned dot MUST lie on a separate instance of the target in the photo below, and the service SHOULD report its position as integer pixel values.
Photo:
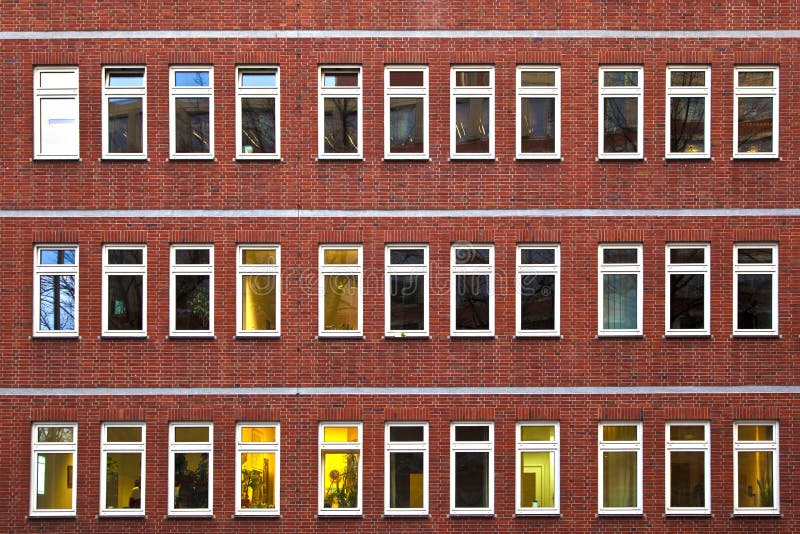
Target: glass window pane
(472, 256)
(538, 78)
(687, 432)
(191, 434)
(407, 256)
(125, 256)
(196, 78)
(620, 433)
(340, 78)
(687, 479)
(341, 302)
(755, 479)
(472, 78)
(687, 255)
(620, 78)
(538, 433)
(341, 125)
(471, 479)
(538, 256)
(687, 301)
(192, 310)
(192, 256)
(755, 78)
(191, 480)
(54, 477)
(58, 80)
(621, 124)
(192, 125)
(56, 256)
(340, 434)
(754, 255)
(54, 434)
(687, 124)
(407, 302)
(258, 125)
(125, 302)
(687, 78)
(124, 434)
(406, 433)
(57, 302)
(472, 125)
(259, 434)
(537, 480)
(537, 302)
(406, 125)
(258, 79)
(472, 302)
(406, 480)
(340, 479)
(259, 302)
(754, 306)
(123, 480)
(613, 256)
(346, 256)
(472, 433)
(756, 432)
(125, 118)
(259, 256)
(126, 78)
(620, 301)
(619, 479)
(406, 78)
(258, 480)
(755, 124)
(538, 124)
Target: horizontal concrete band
(423, 391)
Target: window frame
(472, 92)
(192, 269)
(755, 446)
(538, 269)
(538, 92)
(421, 270)
(57, 447)
(455, 271)
(703, 446)
(764, 92)
(258, 92)
(538, 446)
(623, 268)
(471, 446)
(339, 92)
(198, 447)
(755, 268)
(40, 270)
(189, 92)
(258, 447)
(688, 268)
(123, 269)
(405, 446)
(131, 92)
(620, 446)
(132, 447)
(346, 270)
(703, 92)
(409, 92)
(243, 270)
(620, 92)
(322, 447)
(63, 93)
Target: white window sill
(679, 334)
(775, 514)
(257, 335)
(56, 158)
(467, 157)
(191, 335)
(543, 334)
(540, 157)
(184, 157)
(407, 157)
(257, 157)
(350, 514)
(121, 515)
(454, 514)
(65, 335)
(616, 157)
(601, 335)
(124, 157)
(347, 157)
(546, 512)
(688, 513)
(472, 335)
(755, 333)
(636, 514)
(755, 155)
(190, 515)
(130, 335)
(256, 515)
(52, 515)
(692, 156)
(406, 335)
(340, 335)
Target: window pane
(259, 302)
(57, 257)
(406, 433)
(123, 480)
(258, 125)
(407, 302)
(755, 78)
(191, 434)
(125, 302)
(125, 125)
(756, 432)
(258, 79)
(191, 480)
(687, 432)
(620, 255)
(340, 434)
(687, 255)
(259, 256)
(406, 477)
(340, 479)
(259, 434)
(620, 301)
(620, 433)
(126, 78)
(621, 78)
(472, 78)
(54, 434)
(407, 256)
(258, 480)
(472, 433)
(125, 256)
(687, 124)
(341, 125)
(621, 124)
(687, 78)
(755, 124)
(472, 256)
(347, 256)
(341, 302)
(192, 125)
(538, 124)
(754, 255)
(754, 301)
(686, 301)
(406, 125)
(59, 126)
(537, 302)
(538, 256)
(406, 78)
(192, 256)
(472, 302)
(619, 479)
(687, 479)
(537, 480)
(192, 302)
(538, 78)
(58, 80)
(340, 78)
(471, 479)
(538, 433)
(57, 302)
(54, 472)
(124, 434)
(198, 78)
(472, 125)
(755, 479)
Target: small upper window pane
(54, 434)
(472, 78)
(259, 256)
(124, 434)
(538, 433)
(620, 255)
(472, 256)
(620, 78)
(258, 434)
(754, 255)
(406, 78)
(537, 78)
(687, 78)
(192, 256)
(191, 434)
(620, 433)
(125, 256)
(472, 433)
(340, 434)
(406, 433)
(687, 255)
(756, 432)
(193, 78)
(687, 433)
(347, 256)
(259, 79)
(125, 78)
(538, 256)
(56, 256)
(755, 78)
(407, 256)
(340, 78)
(58, 80)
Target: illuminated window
(472, 468)
(258, 465)
(755, 104)
(259, 289)
(192, 291)
(340, 469)
(406, 290)
(124, 290)
(55, 294)
(472, 290)
(621, 112)
(755, 467)
(191, 112)
(472, 112)
(258, 113)
(620, 290)
(620, 468)
(55, 113)
(688, 472)
(538, 112)
(406, 463)
(537, 468)
(340, 295)
(191, 473)
(122, 469)
(53, 469)
(538, 280)
(688, 290)
(688, 106)
(124, 113)
(340, 112)
(755, 289)
(406, 105)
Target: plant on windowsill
(765, 492)
(342, 491)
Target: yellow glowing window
(124, 434)
(259, 256)
(619, 433)
(265, 434)
(340, 291)
(54, 450)
(537, 433)
(755, 432)
(258, 290)
(191, 434)
(347, 256)
(687, 432)
(340, 434)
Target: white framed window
(538, 459)
(191, 112)
(620, 468)
(56, 131)
(688, 291)
(472, 290)
(538, 290)
(406, 109)
(688, 468)
(122, 468)
(621, 112)
(54, 460)
(538, 112)
(124, 290)
(755, 289)
(258, 280)
(688, 107)
(407, 290)
(471, 468)
(340, 112)
(258, 468)
(191, 290)
(340, 294)
(472, 112)
(755, 468)
(55, 293)
(406, 469)
(755, 104)
(124, 113)
(258, 105)
(340, 469)
(620, 289)
(191, 469)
